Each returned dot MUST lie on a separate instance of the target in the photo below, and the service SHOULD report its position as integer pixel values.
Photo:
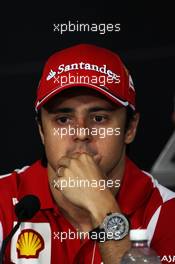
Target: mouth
(96, 157)
(87, 152)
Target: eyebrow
(92, 109)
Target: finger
(63, 162)
(60, 171)
(75, 155)
(96, 158)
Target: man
(86, 184)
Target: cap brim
(102, 90)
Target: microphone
(25, 209)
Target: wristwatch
(115, 226)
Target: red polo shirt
(45, 240)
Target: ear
(132, 129)
(41, 131)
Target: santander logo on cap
(50, 75)
(83, 66)
(88, 66)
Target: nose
(82, 131)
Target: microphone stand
(6, 240)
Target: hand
(82, 171)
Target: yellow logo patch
(29, 244)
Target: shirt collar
(34, 181)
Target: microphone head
(27, 207)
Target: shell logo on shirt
(29, 244)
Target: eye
(63, 119)
(99, 118)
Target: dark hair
(38, 117)
(43, 156)
(130, 113)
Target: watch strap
(95, 234)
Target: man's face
(83, 108)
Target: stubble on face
(111, 149)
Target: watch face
(117, 224)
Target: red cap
(89, 66)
